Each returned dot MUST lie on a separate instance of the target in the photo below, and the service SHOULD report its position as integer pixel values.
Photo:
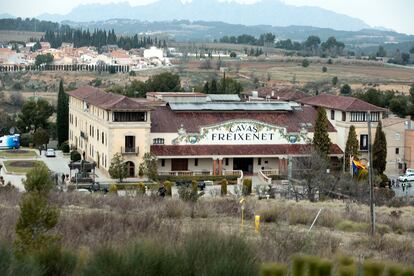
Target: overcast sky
(394, 14)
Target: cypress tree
(62, 119)
(351, 147)
(206, 88)
(379, 150)
(213, 87)
(321, 140)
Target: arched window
(130, 168)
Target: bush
(113, 189)
(272, 269)
(132, 73)
(329, 61)
(65, 148)
(233, 55)
(224, 184)
(168, 187)
(324, 69)
(346, 89)
(373, 269)
(272, 215)
(298, 266)
(305, 63)
(194, 186)
(26, 139)
(141, 188)
(75, 156)
(247, 186)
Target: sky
(394, 14)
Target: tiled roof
(164, 120)
(176, 94)
(340, 103)
(108, 101)
(235, 150)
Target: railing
(237, 173)
(130, 150)
(270, 172)
(186, 173)
(263, 177)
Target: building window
(375, 116)
(76, 121)
(227, 161)
(332, 114)
(397, 151)
(162, 162)
(97, 134)
(363, 142)
(103, 138)
(130, 117)
(259, 161)
(343, 116)
(196, 162)
(129, 143)
(358, 116)
(158, 141)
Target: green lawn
(17, 154)
(20, 166)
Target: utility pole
(371, 186)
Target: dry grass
(93, 221)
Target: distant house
(280, 93)
(154, 52)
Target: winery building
(193, 135)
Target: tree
(305, 63)
(233, 55)
(213, 87)
(399, 106)
(229, 86)
(381, 52)
(412, 50)
(43, 59)
(206, 88)
(324, 69)
(34, 114)
(118, 168)
(41, 137)
(321, 140)
(346, 89)
(62, 117)
(334, 81)
(379, 150)
(351, 148)
(37, 216)
(412, 93)
(149, 166)
(164, 82)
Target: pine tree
(62, 120)
(321, 140)
(351, 148)
(37, 216)
(379, 150)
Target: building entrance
(243, 164)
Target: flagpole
(371, 187)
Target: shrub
(273, 269)
(194, 186)
(324, 69)
(233, 55)
(141, 188)
(65, 148)
(352, 226)
(325, 268)
(224, 184)
(348, 270)
(271, 215)
(305, 63)
(75, 156)
(26, 139)
(132, 73)
(298, 266)
(168, 187)
(329, 61)
(373, 269)
(247, 186)
(346, 89)
(113, 189)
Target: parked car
(406, 177)
(50, 153)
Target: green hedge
(278, 177)
(229, 178)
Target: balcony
(130, 150)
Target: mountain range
(185, 30)
(265, 12)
